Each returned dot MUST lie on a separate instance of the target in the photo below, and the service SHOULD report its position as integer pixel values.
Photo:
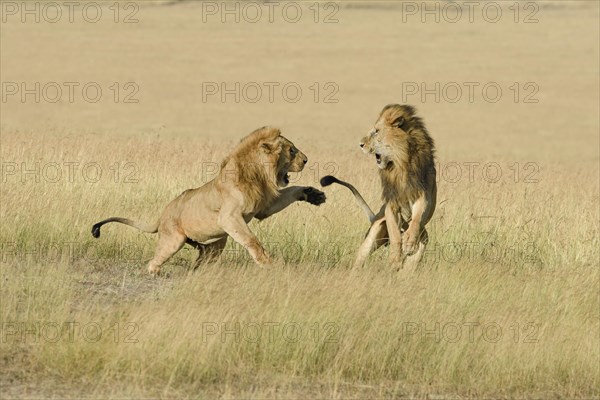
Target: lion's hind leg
(394, 224)
(207, 252)
(168, 244)
(376, 237)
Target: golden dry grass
(505, 304)
(513, 313)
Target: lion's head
(260, 164)
(284, 155)
(395, 132)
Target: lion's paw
(154, 271)
(314, 196)
(409, 243)
(264, 260)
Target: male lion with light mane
(404, 153)
(249, 185)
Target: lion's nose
(362, 145)
(305, 160)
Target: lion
(405, 155)
(251, 184)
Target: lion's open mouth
(283, 179)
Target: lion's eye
(374, 132)
(292, 151)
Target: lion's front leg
(412, 236)
(422, 211)
(291, 195)
(411, 262)
(231, 220)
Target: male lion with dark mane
(404, 153)
(249, 185)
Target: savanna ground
(504, 305)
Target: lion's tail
(149, 228)
(329, 179)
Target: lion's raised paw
(314, 196)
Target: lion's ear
(398, 122)
(266, 147)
